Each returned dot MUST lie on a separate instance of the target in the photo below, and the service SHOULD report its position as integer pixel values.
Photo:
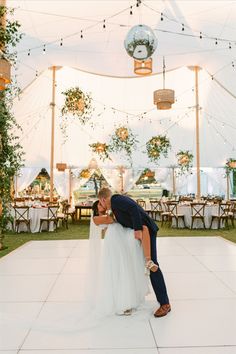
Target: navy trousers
(157, 279)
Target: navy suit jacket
(129, 214)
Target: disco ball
(140, 42)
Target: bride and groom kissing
(129, 247)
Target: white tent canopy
(130, 98)
(189, 33)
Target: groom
(129, 214)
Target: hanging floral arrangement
(123, 140)
(85, 173)
(230, 165)
(77, 103)
(101, 149)
(185, 161)
(157, 146)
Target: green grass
(80, 230)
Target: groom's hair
(95, 208)
(104, 193)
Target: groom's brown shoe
(163, 310)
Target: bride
(118, 283)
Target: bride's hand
(138, 235)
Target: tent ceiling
(101, 51)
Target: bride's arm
(103, 220)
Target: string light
(138, 3)
(44, 49)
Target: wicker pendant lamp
(143, 67)
(61, 166)
(164, 98)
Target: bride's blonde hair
(104, 193)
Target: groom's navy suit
(129, 214)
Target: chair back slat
(52, 212)
(198, 209)
(141, 203)
(21, 213)
(172, 208)
(155, 205)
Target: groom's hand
(138, 234)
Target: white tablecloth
(186, 211)
(35, 214)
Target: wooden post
(196, 69)
(173, 180)
(70, 196)
(227, 186)
(3, 21)
(52, 131)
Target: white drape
(61, 183)
(164, 176)
(121, 180)
(26, 176)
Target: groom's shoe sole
(163, 310)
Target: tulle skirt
(121, 282)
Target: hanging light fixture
(5, 73)
(143, 67)
(164, 98)
(61, 166)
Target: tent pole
(70, 197)
(227, 186)
(196, 69)
(52, 131)
(173, 180)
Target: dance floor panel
(44, 308)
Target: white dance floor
(43, 302)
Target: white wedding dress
(117, 274)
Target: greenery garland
(101, 149)
(10, 149)
(77, 103)
(157, 146)
(185, 161)
(230, 165)
(123, 140)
